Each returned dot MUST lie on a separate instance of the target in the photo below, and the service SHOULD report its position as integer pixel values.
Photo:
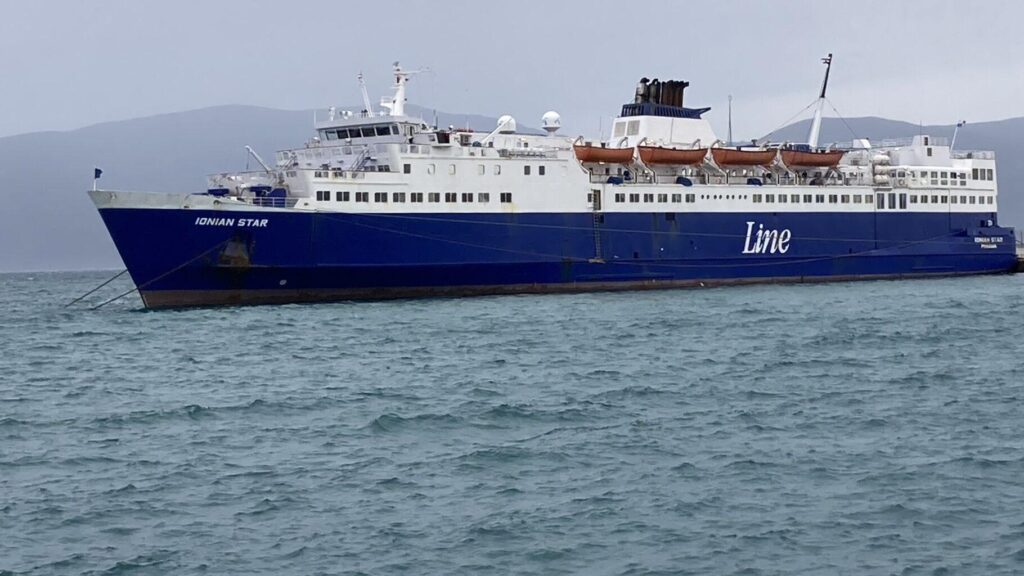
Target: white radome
(551, 121)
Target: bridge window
(383, 130)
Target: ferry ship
(380, 204)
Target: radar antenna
(396, 105)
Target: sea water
(849, 428)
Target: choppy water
(865, 428)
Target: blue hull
(195, 258)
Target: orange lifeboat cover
(733, 157)
(606, 155)
(813, 159)
(658, 155)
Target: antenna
(366, 97)
(396, 105)
(812, 138)
(729, 139)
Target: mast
(812, 138)
(366, 97)
(729, 139)
(396, 105)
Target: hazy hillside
(47, 221)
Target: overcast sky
(68, 64)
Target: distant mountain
(48, 223)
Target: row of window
(805, 198)
(362, 132)
(415, 197)
(480, 169)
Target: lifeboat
(657, 155)
(828, 159)
(606, 155)
(733, 157)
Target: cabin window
(416, 197)
(856, 198)
(506, 198)
(807, 198)
(497, 169)
(406, 168)
(952, 199)
(757, 198)
(845, 199)
(929, 151)
(973, 200)
(903, 201)
(481, 169)
(540, 170)
(620, 197)
(430, 168)
(467, 197)
(341, 196)
(633, 128)
(833, 198)
(819, 198)
(398, 197)
(434, 197)
(963, 199)
(451, 169)
(619, 130)
(783, 198)
(989, 172)
(991, 200)
(362, 196)
(483, 197)
(892, 200)
(648, 197)
(935, 199)
(924, 199)
(691, 198)
(526, 170)
(662, 197)
(677, 198)
(881, 200)
(794, 198)
(634, 198)
(451, 197)
(319, 195)
(380, 197)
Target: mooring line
(83, 296)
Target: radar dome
(506, 124)
(551, 121)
